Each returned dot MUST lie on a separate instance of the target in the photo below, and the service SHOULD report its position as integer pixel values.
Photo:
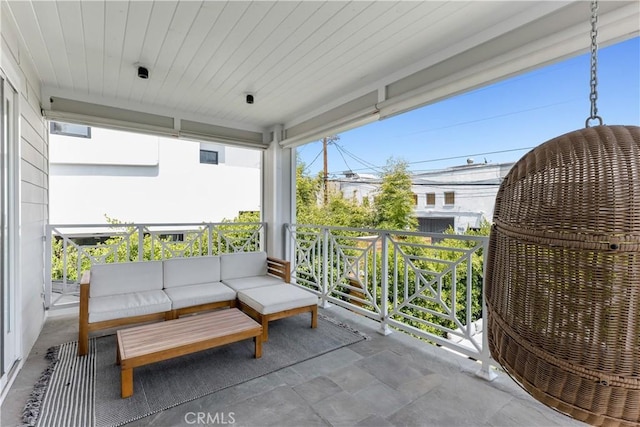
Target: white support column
(278, 191)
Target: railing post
(384, 283)
(141, 244)
(48, 285)
(485, 371)
(288, 254)
(78, 265)
(324, 302)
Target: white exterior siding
(149, 179)
(32, 195)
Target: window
(449, 198)
(431, 199)
(209, 157)
(68, 129)
(415, 199)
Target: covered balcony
(416, 297)
(272, 76)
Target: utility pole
(325, 177)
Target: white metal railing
(71, 249)
(426, 284)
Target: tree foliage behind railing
(69, 259)
(435, 287)
(72, 253)
(424, 275)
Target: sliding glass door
(8, 226)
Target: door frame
(11, 340)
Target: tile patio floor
(395, 380)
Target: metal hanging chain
(593, 96)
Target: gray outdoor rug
(85, 391)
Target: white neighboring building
(147, 179)
(460, 197)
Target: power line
(421, 184)
(370, 166)
(491, 117)
(341, 155)
(378, 168)
(471, 155)
(313, 161)
(360, 160)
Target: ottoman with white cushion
(274, 302)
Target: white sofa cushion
(191, 271)
(204, 293)
(243, 264)
(127, 305)
(125, 278)
(243, 283)
(276, 298)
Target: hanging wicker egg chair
(563, 274)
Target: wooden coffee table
(147, 344)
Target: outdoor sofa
(118, 294)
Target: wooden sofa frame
(275, 266)
(264, 319)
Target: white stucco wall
(472, 204)
(475, 187)
(148, 179)
(32, 199)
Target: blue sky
(518, 113)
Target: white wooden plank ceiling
(299, 59)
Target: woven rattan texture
(563, 274)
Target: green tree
(307, 196)
(431, 259)
(123, 245)
(339, 211)
(246, 216)
(394, 201)
(344, 212)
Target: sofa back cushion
(124, 278)
(243, 264)
(191, 271)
